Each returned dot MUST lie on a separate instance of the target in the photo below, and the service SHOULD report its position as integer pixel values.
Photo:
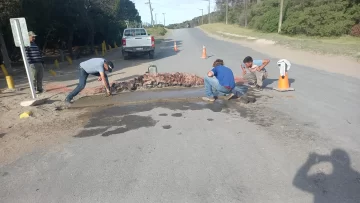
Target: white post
(26, 63)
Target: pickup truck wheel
(151, 54)
(125, 55)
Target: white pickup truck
(137, 41)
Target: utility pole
(202, 16)
(156, 22)
(281, 15)
(208, 11)
(151, 10)
(164, 18)
(245, 8)
(227, 10)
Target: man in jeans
(36, 63)
(220, 80)
(257, 72)
(96, 67)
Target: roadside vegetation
(157, 31)
(343, 45)
(68, 24)
(325, 26)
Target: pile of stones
(158, 80)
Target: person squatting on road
(36, 63)
(96, 67)
(257, 72)
(220, 80)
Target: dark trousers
(83, 75)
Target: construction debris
(159, 80)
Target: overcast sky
(176, 10)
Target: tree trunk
(46, 40)
(91, 36)
(70, 42)
(5, 55)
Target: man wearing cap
(36, 63)
(94, 66)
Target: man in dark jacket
(36, 63)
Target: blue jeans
(83, 75)
(213, 87)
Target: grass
(345, 45)
(156, 31)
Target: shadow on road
(341, 185)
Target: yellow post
(56, 62)
(69, 59)
(10, 82)
(4, 70)
(105, 46)
(96, 52)
(115, 45)
(52, 72)
(109, 47)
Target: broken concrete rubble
(158, 80)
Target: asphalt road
(301, 146)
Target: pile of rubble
(158, 80)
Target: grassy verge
(157, 31)
(346, 45)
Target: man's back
(224, 75)
(93, 66)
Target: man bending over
(94, 66)
(256, 73)
(220, 80)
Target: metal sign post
(21, 39)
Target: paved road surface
(300, 146)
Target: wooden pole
(281, 15)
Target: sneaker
(258, 87)
(230, 96)
(40, 92)
(209, 99)
(252, 84)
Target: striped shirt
(33, 54)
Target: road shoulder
(349, 66)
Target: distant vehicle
(137, 41)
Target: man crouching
(96, 67)
(220, 80)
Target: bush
(319, 18)
(157, 31)
(265, 16)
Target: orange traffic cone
(175, 47)
(204, 55)
(283, 84)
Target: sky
(176, 11)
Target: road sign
(23, 31)
(21, 39)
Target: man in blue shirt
(220, 80)
(256, 73)
(94, 66)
